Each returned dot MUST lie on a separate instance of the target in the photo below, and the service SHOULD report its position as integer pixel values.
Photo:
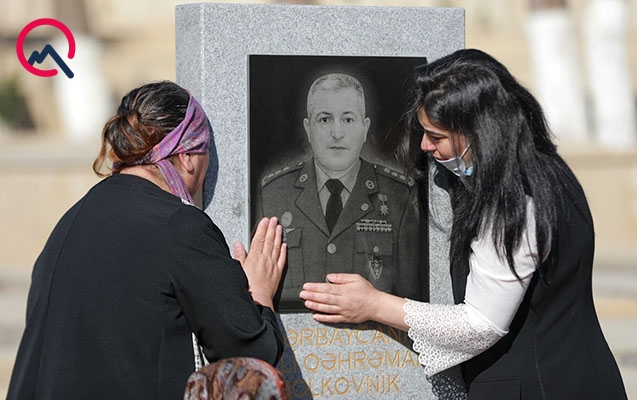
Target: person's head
(237, 378)
(154, 122)
(470, 100)
(336, 124)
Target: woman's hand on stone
(264, 263)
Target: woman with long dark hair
(521, 248)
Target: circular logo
(39, 56)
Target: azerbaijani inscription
(323, 361)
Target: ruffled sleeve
(447, 335)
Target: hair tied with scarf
(192, 135)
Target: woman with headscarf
(135, 287)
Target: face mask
(457, 165)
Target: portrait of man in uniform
(341, 212)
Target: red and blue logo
(48, 50)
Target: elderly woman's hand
(264, 264)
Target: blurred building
(49, 124)
(572, 54)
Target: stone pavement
(615, 292)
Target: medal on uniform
(285, 221)
(384, 209)
(373, 225)
(376, 266)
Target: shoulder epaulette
(395, 175)
(280, 172)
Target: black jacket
(555, 348)
(126, 276)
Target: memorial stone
(213, 45)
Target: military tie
(334, 203)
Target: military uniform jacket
(379, 233)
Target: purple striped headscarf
(192, 135)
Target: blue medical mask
(457, 165)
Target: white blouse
(447, 335)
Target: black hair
(471, 94)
